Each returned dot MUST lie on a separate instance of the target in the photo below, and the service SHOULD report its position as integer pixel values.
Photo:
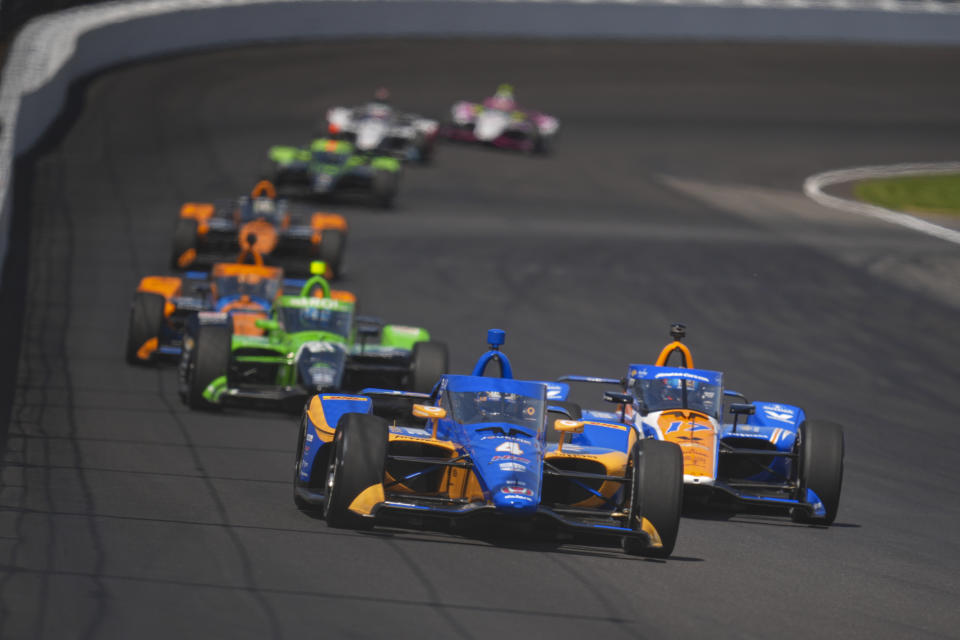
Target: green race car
(311, 343)
(328, 167)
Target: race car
(162, 305)
(208, 232)
(499, 122)
(486, 450)
(769, 455)
(326, 167)
(312, 342)
(377, 126)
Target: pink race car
(499, 122)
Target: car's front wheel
(332, 244)
(821, 468)
(356, 463)
(210, 360)
(656, 495)
(146, 323)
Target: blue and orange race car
(486, 450)
(769, 455)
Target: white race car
(377, 126)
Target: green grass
(921, 194)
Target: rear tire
(211, 359)
(821, 468)
(146, 322)
(424, 150)
(428, 362)
(385, 185)
(657, 495)
(357, 461)
(543, 145)
(332, 245)
(184, 239)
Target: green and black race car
(327, 167)
(311, 343)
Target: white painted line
(814, 185)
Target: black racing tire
(357, 461)
(425, 148)
(384, 186)
(332, 245)
(821, 451)
(210, 360)
(428, 362)
(146, 322)
(656, 494)
(302, 504)
(184, 239)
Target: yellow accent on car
(668, 351)
(364, 503)
(186, 258)
(319, 420)
(147, 348)
(651, 531)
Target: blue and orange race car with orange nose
(769, 455)
(486, 450)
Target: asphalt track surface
(674, 194)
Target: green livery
(328, 166)
(310, 343)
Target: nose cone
(515, 500)
(489, 126)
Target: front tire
(332, 245)
(385, 186)
(656, 494)
(821, 468)
(429, 361)
(146, 323)
(184, 239)
(211, 359)
(357, 461)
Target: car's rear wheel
(146, 322)
(385, 185)
(356, 463)
(332, 245)
(210, 360)
(656, 494)
(821, 468)
(184, 239)
(428, 362)
(424, 150)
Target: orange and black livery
(207, 232)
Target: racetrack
(674, 195)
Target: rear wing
(593, 379)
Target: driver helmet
(503, 98)
(264, 206)
(313, 316)
(382, 95)
(671, 389)
(497, 404)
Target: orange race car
(244, 293)
(208, 232)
